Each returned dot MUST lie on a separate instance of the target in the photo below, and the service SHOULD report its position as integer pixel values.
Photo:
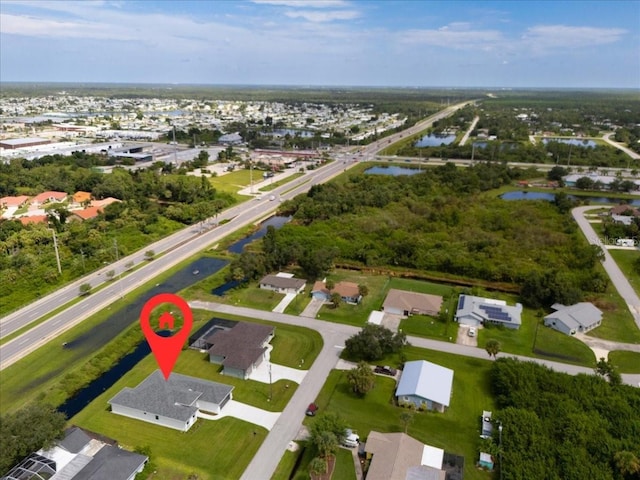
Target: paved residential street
(286, 428)
(618, 279)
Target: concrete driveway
(245, 412)
(463, 337)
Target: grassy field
(627, 362)
(625, 260)
(210, 449)
(456, 431)
(233, 181)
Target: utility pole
(251, 175)
(55, 246)
(82, 256)
(115, 245)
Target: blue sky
(570, 44)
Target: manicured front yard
(456, 431)
(430, 327)
(626, 362)
(210, 449)
(344, 469)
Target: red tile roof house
(85, 214)
(34, 219)
(348, 291)
(18, 201)
(46, 197)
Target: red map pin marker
(166, 349)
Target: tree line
(558, 426)
(436, 221)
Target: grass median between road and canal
(56, 373)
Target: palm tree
(492, 347)
(406, 418)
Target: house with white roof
(578, 318)
(425, 385)
(475, 311)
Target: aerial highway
(170, 251)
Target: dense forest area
(435, 221)
(562, 427)
(153, 205)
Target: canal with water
(104, 333)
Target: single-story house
(34, 219)
(17, 201)
(283, 284)
(486, 461)
(172, 403)
(578, 318)
(230, 139)
(348, 291)
(473, 311)
(400, 302)
(624, 209)
(241, 349)
(80, 456)
(85, 214)
(376, 317)
(397, 456)
(46, 197)
(425, 385)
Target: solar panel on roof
(495, 313)
(461, 302)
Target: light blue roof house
(425, 385)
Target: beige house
(401, 302)
(397, 456)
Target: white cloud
(41, 27)
(545, 38)
(455, 35)
(303, 3)
(322, 16)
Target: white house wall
(151, 418)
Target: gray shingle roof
(583, 314)
(111, 463)
(240, 346)
(175, 398)
(75, 439)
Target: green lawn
(533, 339)
(457, 430)
(234, 181)
(210, 449)
(625, 260)
(344, 470)
(617, 322)
(356, 314)
(627, 362)
(430, 327)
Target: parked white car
(351, 439)
(472, 332)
